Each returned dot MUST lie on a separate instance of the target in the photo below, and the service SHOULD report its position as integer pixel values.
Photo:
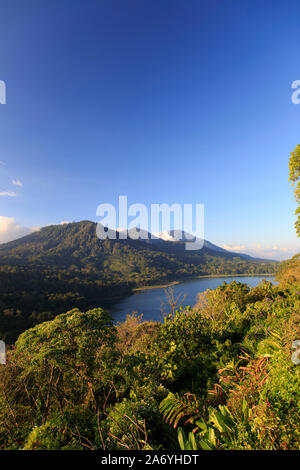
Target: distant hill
(66, 266)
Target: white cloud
(10, 230)
(267, 252)
(236, 248)
(8, 193)
(17, 183)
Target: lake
(153, 303)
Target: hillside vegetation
(216, 376)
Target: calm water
(153, 303)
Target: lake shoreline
(153, 302)
(193, 278)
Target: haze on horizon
(165, 102)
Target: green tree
(294, 166)
(62, 368)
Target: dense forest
(62, 267)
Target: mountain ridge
(164, 237)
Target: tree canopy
(294, 167)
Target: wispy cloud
(10, 230)
(17, 183)
(8, 193)
(234, 247)
(267, 252)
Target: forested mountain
(77, 245)
(66, 266)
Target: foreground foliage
(216, 376)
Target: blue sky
(163, 101)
